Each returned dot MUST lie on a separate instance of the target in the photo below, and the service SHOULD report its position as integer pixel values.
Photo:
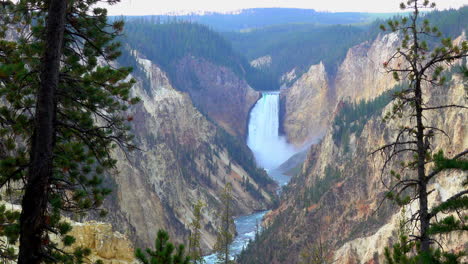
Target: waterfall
(270, 149)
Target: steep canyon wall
(310, 103)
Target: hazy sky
(148, 7)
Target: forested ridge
(450, 22)
(263, 17)
(288, 44)
(303, 44)
(166, 43)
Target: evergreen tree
(225, 236)
(163, 252)
(61, 114)
(423, 67)
(195, 251)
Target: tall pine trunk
(422, 192)
(33, 215)
(421, 147)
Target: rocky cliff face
(454, 121)
(262, 62)
(183, 158)
(306, 106)
(361, 76)
(106, 245)
(288, 77)
(217, 91)
(335, 199)
(310, 102)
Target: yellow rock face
(361, 76)
(306, 106)
(106, 245)
(310, 103)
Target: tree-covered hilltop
(450, 22)
(301, 45)
(167, 43)
(264, 17)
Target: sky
(156, 7)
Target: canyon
(201, 124)
(186, 158)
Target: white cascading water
(270, 149)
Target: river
(270, 150)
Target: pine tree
(163, 252)
(225, 236)
(422, 67)
(195, 250)
(61, 114)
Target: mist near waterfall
(270, 149)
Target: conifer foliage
(62, 107)
(163, 252)
(423, 68)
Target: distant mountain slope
(451, 22)
(166, 43)
(263, 17)
(293, 38)
(202, 63)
